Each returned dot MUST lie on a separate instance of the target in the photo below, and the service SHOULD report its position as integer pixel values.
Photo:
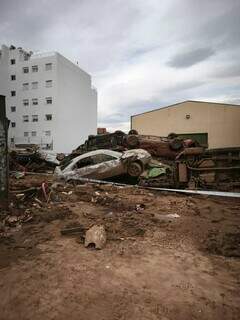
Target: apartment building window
(13, 109)
(26, 102)
(25, 134)
(34, 85)
(12, 140)
(48, 66)
(48, 117)
(13, 77)
(48, 133)
(13, 124)
(25, 118)
(25, 69)
(34, 133)
(34, 68)
(35, 102)
(13, 61)
(48, 83)
(49, 100)
(13, 93)
(35, 118)
(25, 86)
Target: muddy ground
(154, 266)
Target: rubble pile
(31, 159)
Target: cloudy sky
(142, 54)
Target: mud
(167, 256)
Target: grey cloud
(186, 85)
(190, 58)
(229, 71)
(224, 29)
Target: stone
(96, 237)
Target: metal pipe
(201, 192)
(213, 168)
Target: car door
(99, 166)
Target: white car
(104, 164)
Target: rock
(96, 236)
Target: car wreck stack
(177, 163)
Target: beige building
(214, 124)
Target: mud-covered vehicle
(159, 147)
(112, 141)
(197, 168)
(104, 164)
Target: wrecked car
(104, 164)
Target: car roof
(96, 152)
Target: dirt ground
(167, 256)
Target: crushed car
(104, 164)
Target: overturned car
(104, 164)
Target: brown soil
(153, 266)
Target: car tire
(135, 169)
(133, 131)
(132, 141)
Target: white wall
(77, 105)
(74, 108)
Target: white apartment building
(50, 101)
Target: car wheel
(133, 131)
(132, 141)
(135, 169)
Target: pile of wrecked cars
(166, 162)
(174, 162)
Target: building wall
(77, 106)
(220, 121)
(74, 101)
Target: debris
(140, 207)
(19, 175)
(75, 230)
(30, 158)
(165, 217)
(20, 196)
(2, 227)
(96, 237)
(172, 215)
(11, 221)
(38, 201)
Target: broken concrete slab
(96, 236)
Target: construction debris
(31, 159)
(96, 237)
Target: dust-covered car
(104, 164)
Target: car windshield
(65, 164)
(95, 159)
